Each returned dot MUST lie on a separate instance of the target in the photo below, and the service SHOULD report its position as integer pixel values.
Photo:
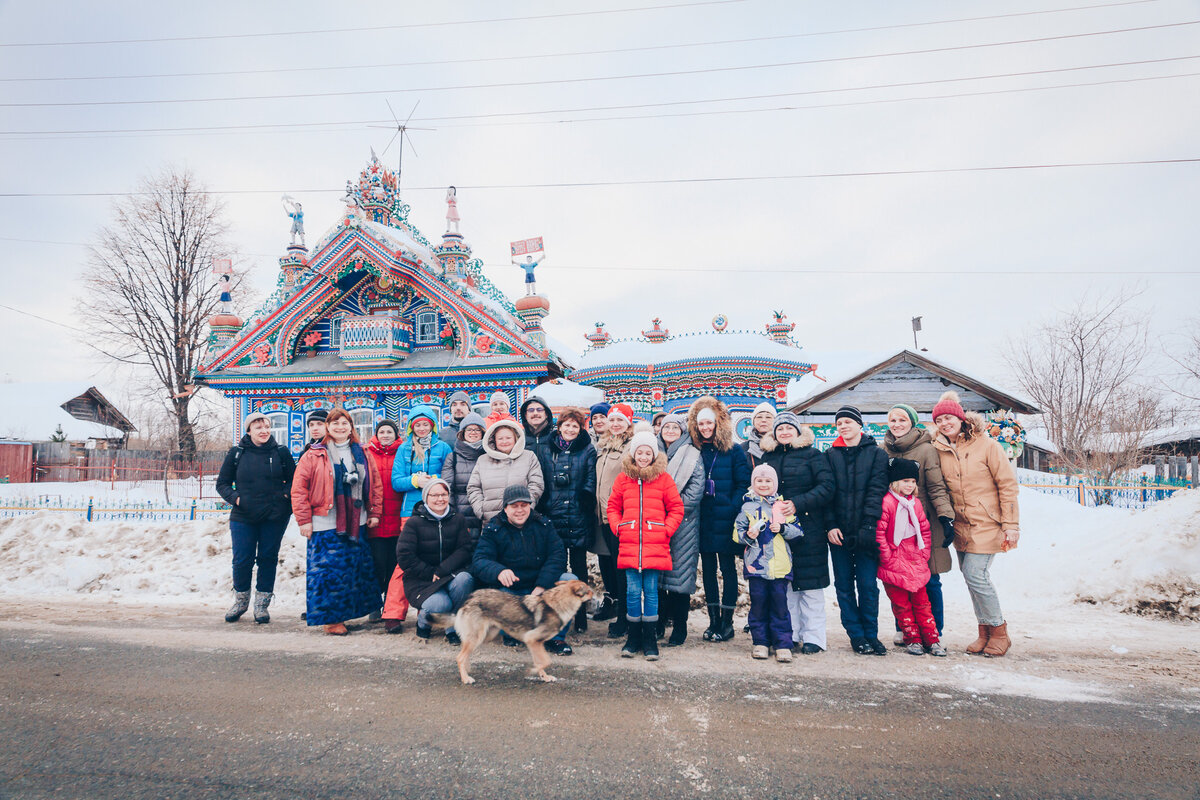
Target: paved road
(90, 718)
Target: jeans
(974, 568)
(859, 610)
(728, 596)
(566, 576)
(641, 594)
(256, 542)
(770, 624)
(934, 590)
(447, 599)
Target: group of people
(519, 502)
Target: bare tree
(149, 290)
(1084, 369)
(1186, 382)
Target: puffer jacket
(917, 445)
(983, 488)
(256, 481)
(683, 465)
(907, 564)
(766, 555)
(609, 453)
(570, 496)
(644, 510)
(728, 468)
(405, 467)
(496, 471)
(456, 471)
(384, 458)
(860, 481)
(806, 479)
(535, 441)
(312, 485)
(430, 546)
(533, 552)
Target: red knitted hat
(623, 410)
(949, 404)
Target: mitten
(947, 531)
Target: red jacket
(381, 458)
(644, 510)
(904, 565)
(312, 487)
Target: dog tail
(442, 619)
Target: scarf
(754, 443)
(421, 446)
(562, 443)
(907, 524)
(347, 499)
(681, 462)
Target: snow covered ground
(1094, 597)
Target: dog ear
(559, 583)
(583, 590)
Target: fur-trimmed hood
(489, 440)
(723, 434)
(610, 441)
(807, 438)
(657, 467)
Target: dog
(532, 620)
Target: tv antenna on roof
(402, 129)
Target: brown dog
(532, 620)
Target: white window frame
(279, 426)
(427, 319)
(364, 423)
(335, 332)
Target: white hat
(641, 438)
(257, 415)
(763, 408)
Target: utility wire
(372, 28)
(590, 79)
(662, 181)
(38, 316)
(529, 56)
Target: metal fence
(1132, 493)
(110, 508)
(60, 462)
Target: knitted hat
(499, 395)
(645, 438)
(949, 404)
(426, 489)
(763, 408)
(912, 412)
(786, 418)
(317, 414)
(517, 493)
(578, 415)
(468, 421)
(599, 408)
(387, 423)
(765, 470)
(621, 410)
(706, 413)
(902, 468)
(459, 396)
(850, 412)
(257, 415)
(659, 416)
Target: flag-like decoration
(222, 266)
(527, 246)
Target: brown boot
(998, 642)
(336, 629)
(976, 647)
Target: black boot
(660, 626)
(649, 642)
(581, 620)
(725, 630)
(679, 604)
(633, 645)
(607, 609)
(618, 627)
(714, 622)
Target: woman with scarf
(419, 460)
(381, 454)
(335, 496)
(683, 465)
(458, 466)
(758, 438)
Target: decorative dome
(531, 301)
(224, 320)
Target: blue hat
(599, 408)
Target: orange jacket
(312, 486)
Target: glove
(849, 540)
(947, 531)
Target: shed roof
(34, 412)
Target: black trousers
(728, 564)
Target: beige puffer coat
(496, 471)
(609, 452)
(983, 488)
(917, 445)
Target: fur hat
(765, 471)
(599, 408)
(763, 408)
(388, 423)
(909, 410)
(901, 468)
(645, 438)
(949, 404)
(257, 415)
(621, 410)
(318, 414)
(849, 412)
(517, 493)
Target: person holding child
(644, 510)
(764, 530)
(905, 538)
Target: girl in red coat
(381, 454)
(644, 510)
(903, 536)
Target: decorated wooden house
(377, 319)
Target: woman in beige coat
(504, 462)
(983, 488)
(610, 450)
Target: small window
(427, 327)
(335, 333)
(364, 423)
(279, 427)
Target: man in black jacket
(860, 482)
(520, 552)
(538, 421)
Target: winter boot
(649, 640)
(261, 601)
(241, 602)
(606, 611)
(660, 626)
(619, 626)
(581, 620)
(633, 645)
(725, 632)
(976, 647)
(998, 642)
(680, 605)
(714, 622)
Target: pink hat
(765, 470)
(949, 404)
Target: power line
(591, 79)
(663, 181)
(854, 271)
(406, 26)
(529, 56)
(43, 319)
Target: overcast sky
(563, 98)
